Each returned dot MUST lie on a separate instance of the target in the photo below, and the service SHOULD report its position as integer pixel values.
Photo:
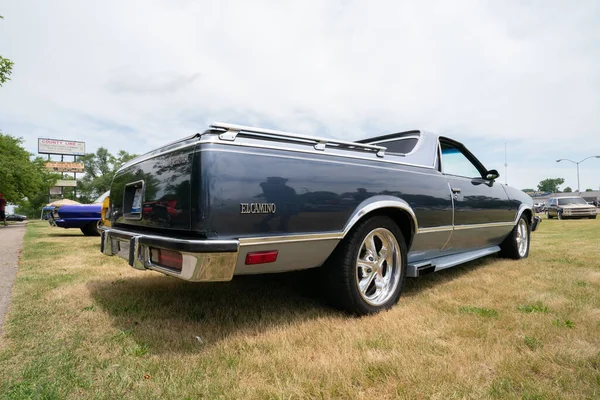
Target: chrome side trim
(480, 226)
(447, 228)
(435, 229)
(378, 202)
(255, 241)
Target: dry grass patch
(86, 325)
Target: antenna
(505, 166)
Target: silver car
(569, 207)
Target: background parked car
(16, 217)
(570, 207)
(83, 216)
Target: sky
(135, 75)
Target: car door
(482, 210)
(550, 208)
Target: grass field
(83, 325)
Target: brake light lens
(166, 258)
(261, 257)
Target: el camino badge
(257, 208)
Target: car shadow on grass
(164, 314)
(67, 234)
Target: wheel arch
(395, 208)
(527, 211)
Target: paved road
(11, 239)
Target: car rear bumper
(72, 222)
(203, 260)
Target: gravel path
(11, 239)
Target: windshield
(102, 197)
(572, 200)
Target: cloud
(126, 81)
(486, 73)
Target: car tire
(91, 229)
(548, 216)
(593, 216)
(559, 215)
(366, 272)
(516, 244)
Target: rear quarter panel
(312, 193)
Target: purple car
(83, 216)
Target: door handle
(455, 190)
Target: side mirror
(491, 175)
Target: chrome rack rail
(230, 132)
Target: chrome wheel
(378, 266)
(522, 237)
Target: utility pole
(577, 163)
(505, 166)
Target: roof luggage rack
(231, 131)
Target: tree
(5, 67)
(550, 184)
(21, 177)
(32, 206)
(568, 189)
(528, 190)
(589, 190)
(100, 167)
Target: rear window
(567, 201)
(400, 146)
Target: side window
(454, 162)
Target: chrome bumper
(203, 260)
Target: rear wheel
(91, 229)
(548, 216)
(366, 272)
(516, 245)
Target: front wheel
(592, 216)
(366, 272)
(516, 245)
(548, 216)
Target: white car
(569, 207)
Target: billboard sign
(65, 147)
(55, 191)
(60, 166)
(66, 183)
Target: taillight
(105, 212)
(261, 257)
(166, 258)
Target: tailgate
(153, 190)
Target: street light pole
(577, 163)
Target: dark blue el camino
(239, 200)
(81, 216)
